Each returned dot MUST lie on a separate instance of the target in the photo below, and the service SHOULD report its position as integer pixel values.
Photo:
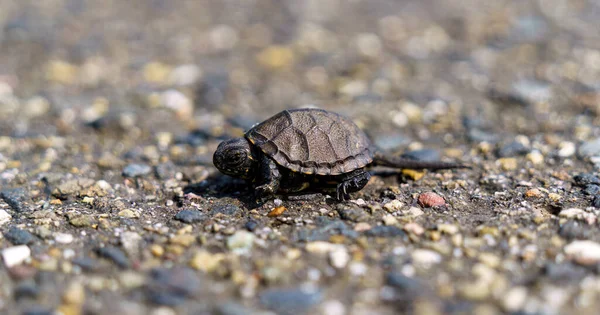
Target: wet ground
(110, 112)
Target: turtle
(305, 149)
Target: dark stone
(326, 227)
(38, 310)
(514, 148)
(390, 141)
(213, 89)
(290, 301)
(190, 216)
(385, 231)
(564, 273)
(19, 237)
(86, 263)
(573, 229)
(251, 225)
(231, 308)
(194, 138)
(585, 179)
(136, 170)
(15, 198)
(407, 289)
(478, 135)
(430, 155)
(596, 201)
(172, 286)
(351, 213)
(226, 209)
(592, 190)
(165, 170)
(26, 289)
(114, 254)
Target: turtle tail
(381, 159)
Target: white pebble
(5, 217)
(583, 252)
(63, 238)
(333, 307)
(339, 257)
(393, 205)
(425, 257)
(514, 299)
(185, 75)
(566, 149)
(15, 255)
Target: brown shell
(313, 141)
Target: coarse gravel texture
(110, 112)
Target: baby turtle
(306, 148)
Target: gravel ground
(110, 112)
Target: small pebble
(290, 301)
(425, 258)
(277, 211)
(583, 252)
(394, 205)
(414, 212)
(190, 216)
(136, 170)
(585, 179)
(16, 255)
(589, 148)
(339, 257)
(385, 231)
(19, 237)
(514, 148)
(5, 217)
(535, 157)
(63, 238)
(241, 242)
(430, 199)
(566, 149)
(514, 299)
(390, 220)
(114, 254)
(206, 261)
(533, 193)
(414, 228)
(226, 209)
(15, 198)
(449, 229)
(172, 286)
(508, 163)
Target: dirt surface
(110, 112)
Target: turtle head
(235, 158)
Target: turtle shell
(313, 141)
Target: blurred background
(404, 70)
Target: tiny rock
(533, 193)
(426, 257)
(277, 211)
(241, 242)
(583, 252)
(16, 255)
(394, 205)
(431, 199)
(5, 217)
(390, 220)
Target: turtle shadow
(223, 186)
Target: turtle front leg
(269, 178)
(353, 183)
